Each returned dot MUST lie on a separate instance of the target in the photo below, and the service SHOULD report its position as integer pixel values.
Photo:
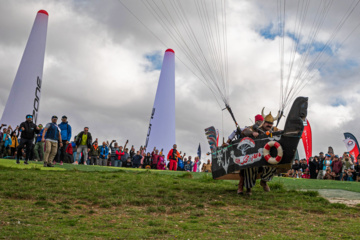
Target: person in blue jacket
(104, 152)
(65, 136)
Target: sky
(102, 66)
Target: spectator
(136, 160)
(173, 156)
(314, 167)
(181, 163)
(296, 166)
(188, 166)
(132, 151)
(321, 172)
(14, 141)
(196, 165)
(328, 174)
(327, 162)
(206, 167)
(161, 163)
(28, 130)
(74, 149)
(125, 156)
(128, 163)
(39, 145)
(346, 164)
(336, 166)
(303, 165)
(51, 136)
(357, 169)
(3, 137)
(8, 142)
(83, 143)
(147, 162)
(306, 174)
(69, 154)
(104, 152)
(154, 158)
(65, 136)
(119, 154)
(94, 154)
(290, 173)
(113, 149)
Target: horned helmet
(269, 118)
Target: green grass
(141, 204)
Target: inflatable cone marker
(25, 92)
(161, 132)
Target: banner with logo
(352, 145)
(307, 140)
(24, 97)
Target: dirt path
(340, 196)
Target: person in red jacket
(119, 153)
(69, 154)
(172, 156)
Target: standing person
(136, 160)
(161, 163)
(314, 167)
(39, 145)
(196, 165)
(119, 154)
(188, 166)
(147, 161)
(124, 157)
(154, 158)
(83, 143)
(74, 150)
(3, 137)
(94, 154)
(51, 137)
(113, 149)
(14, 141)
(28, 130)
(65, 136)
(104, 152)
(173, 155)
(132, 151)
(303, 164)
(8, 142)
(321, 172)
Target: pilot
(248, 175)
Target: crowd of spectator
(52, 145)
(327, 166)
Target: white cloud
(96, 72)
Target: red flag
(352, 148)
(217, 137)
(307, 140)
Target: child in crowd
(128, 163)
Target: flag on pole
(352, 145)
(307, 140)
(199, 152)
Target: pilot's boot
(241, 185)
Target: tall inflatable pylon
(161, 132)
(24, 97)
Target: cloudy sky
(102, 67)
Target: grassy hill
(83, 202)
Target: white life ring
(267, 155)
